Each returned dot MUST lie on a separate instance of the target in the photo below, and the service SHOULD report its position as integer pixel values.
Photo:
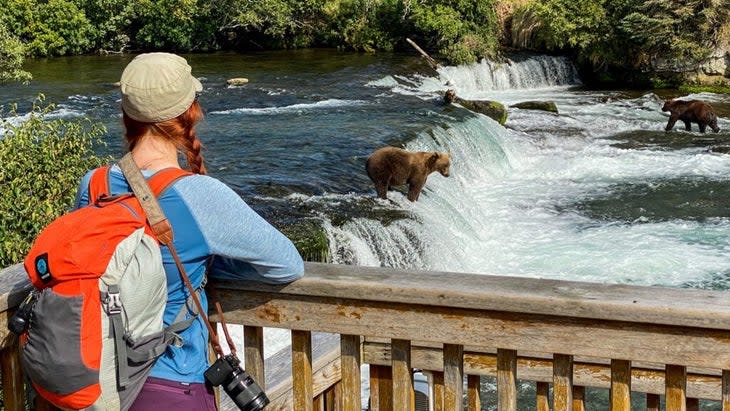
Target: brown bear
(392, 166)
(691, 111)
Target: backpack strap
(162, 228)
(99, 185)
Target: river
(598, 192)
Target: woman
(213, 226)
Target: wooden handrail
(656, 340)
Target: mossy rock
(309, 237)
(537, 105)
(492, 109)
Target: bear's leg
(670, 124)
(382, 189)
(703, 127)
(687, 125)
(414, 189)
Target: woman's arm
(245, 245)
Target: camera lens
(245, 393)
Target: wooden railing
(458, 327)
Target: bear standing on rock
(392, 166)
(691, 111)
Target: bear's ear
(432, 159)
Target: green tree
(41, 162)
(48, 28)
(12, 55)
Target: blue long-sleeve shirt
(209, 220)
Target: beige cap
(157, 87)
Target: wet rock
(492, 109)
(720, 149)
(237, 81)
(537, 105)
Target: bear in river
(392, 166)
(691, 111)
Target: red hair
(179, 130)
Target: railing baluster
(542, 398)
(301, 344)
(725, 390)
(381, 388)
(403, 395)
(253, 352)
(12, 378)
(676, 388)
(652, 402)
(506, 380)
(350, 360)
(438, 391)
(620, 397)
(453, 377)
(563, 382)
(579, 395)
(474, 403)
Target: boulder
(537, 105)
(237, 81)
(492, 109)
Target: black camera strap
(161, 227)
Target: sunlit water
(598, 192)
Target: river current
(597, 192)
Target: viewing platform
(666, 344)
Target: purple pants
(165, 395)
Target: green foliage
(462, 31)
(41, 163)
(170, 24)
(624, 36)
(48, 28)
(12, 55)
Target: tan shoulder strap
(163, 230)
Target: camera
(237, 383)
(19, 322)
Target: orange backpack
(95, 327)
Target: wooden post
(350, 361)
(403, 395)
(474, 403)
(301, 362)
(579, 395)
(676, 388)
(453, 377)
(381, 388)
(562, 382)
(542, 399)
(620, 395)
(12, 378)
(725, 390)
(253, 353)
(438, 391)
(652, 402)
(506, 380)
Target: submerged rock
(537, 105)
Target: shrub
(41, 162)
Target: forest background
(614, 43)
(654, 42)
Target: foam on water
(324, 104)
(509, 206)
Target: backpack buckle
(113, 302)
